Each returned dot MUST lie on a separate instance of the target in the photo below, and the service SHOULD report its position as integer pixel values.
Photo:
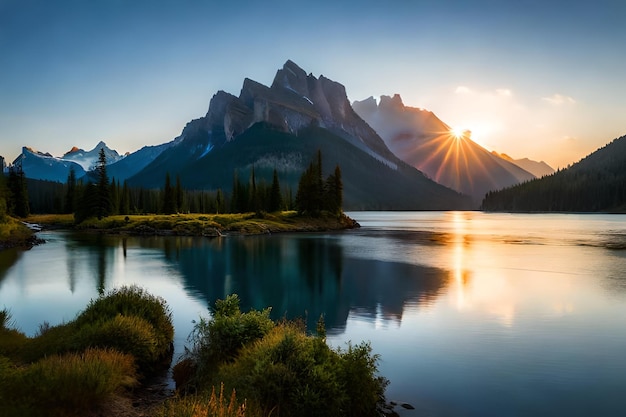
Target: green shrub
(364, 389)
(127, 319)
(126, 334)
(133, 302)
(219, 339)
(69, 384)
(280, 369)
(287, 372)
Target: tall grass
(66, 385)
(11, 340)
(127, 319)
(204, 406)
(71, 369)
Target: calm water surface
(473, 314)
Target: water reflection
(303, 276)
(8, 258)
(474, 314)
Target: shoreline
(199, 225)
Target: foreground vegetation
(202, 224)
(276, 367)
(79, 367)
(239, 364)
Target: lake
(473, 314)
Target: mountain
(282, 127)
(538, 169)
(43, 166)
(88, 159)
(422, 140)
(133, 163)
(595, 183)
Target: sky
(537, 79)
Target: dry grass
(201, 406)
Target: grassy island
(202, 224)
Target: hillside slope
(595, 183)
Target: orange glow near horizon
(454, 160)
(457, 132)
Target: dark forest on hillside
(595, 184)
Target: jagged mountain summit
(422, 140)
(88, 159)
(43, 166)
(282, 127)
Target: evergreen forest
(597, 183)
(97, 195)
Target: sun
(457, 132)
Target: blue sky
(538, 79)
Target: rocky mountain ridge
(293, 117)
(421, 139)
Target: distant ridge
(538, 169)
(422, 140)
(597, 183)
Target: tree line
(99, 196)
(14, 199)
(596, 183)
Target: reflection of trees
(8, 257)
(304, 276)
(96, 252)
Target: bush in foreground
(64, 385)
(279, 369)
(127, 319)
(73, 368)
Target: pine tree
(125, 199)
(4, 193)
(179, 195)
(17, 203)
(220, 202)
(254, 197)
(305, 200)
(169, 198)
(276, 201)
(87, 203)
(70, 193)
(104, 192)
(114, 193)
(334, 192)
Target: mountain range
(391, 156)
(421, 139)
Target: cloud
(499, 92)
(559, 99)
